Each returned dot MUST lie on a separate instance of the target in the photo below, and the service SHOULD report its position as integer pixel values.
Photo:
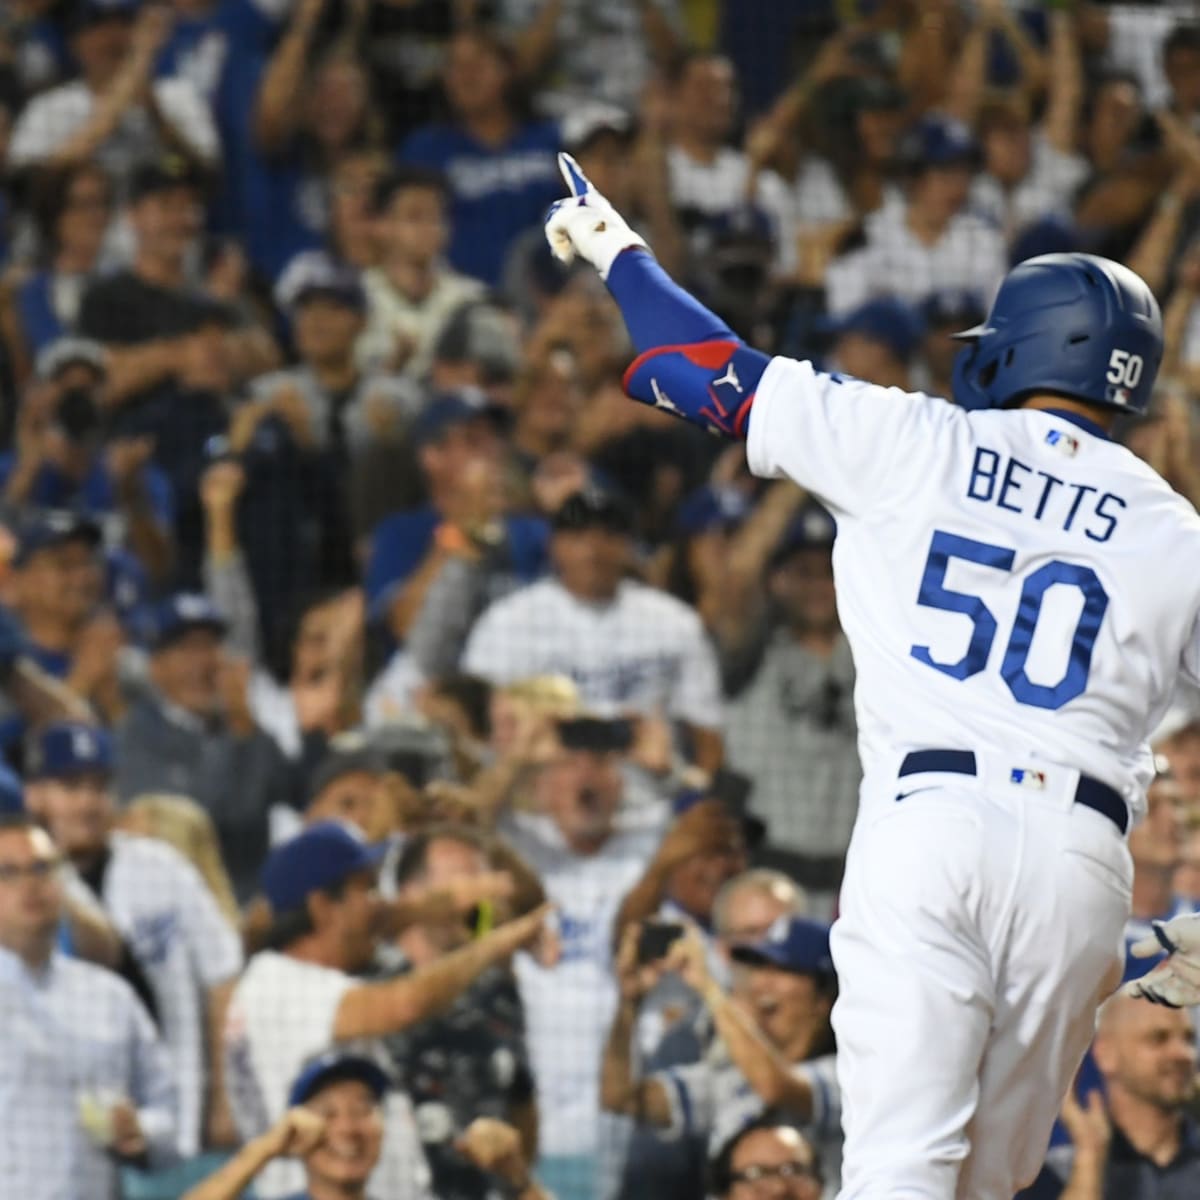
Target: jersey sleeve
(213, 945)
(854, 445)
(153, 1088)
(697, 694)
(495, 646)
(690, 1097)
(821, 1076)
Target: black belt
(1091, 793)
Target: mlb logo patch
(1034, 780)
(1063, 442)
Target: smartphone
(481, 920)
(595, 734)
(655, 939)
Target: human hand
(705, 828)
(1174, 982)
(634, 979)
(687, 959)
(1089, 1128)
(495, 1147)
(126, 458)
(221, 485)
(297, 1133)
(586, 224)
(128, 1141)
(287, 403)
(235, 695)
(95, 659)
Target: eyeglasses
(43, 868)
(789, 1170)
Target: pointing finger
(576, 181)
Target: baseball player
(1020, 594)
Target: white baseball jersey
(184, 945)
(569, 1007)
(644, 652)
(281, 1015)
(1008, 580)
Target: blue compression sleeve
(657, 311)
(690, 363)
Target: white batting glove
(1175, 982)
(585, 224)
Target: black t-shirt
(122, 310)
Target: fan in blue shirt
(501, 167)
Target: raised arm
(690, 363)
(621, 1090)
(376, 1009)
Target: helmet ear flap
(971, 380)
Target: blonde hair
(183, 824)
(546, 695)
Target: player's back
(1008, 580)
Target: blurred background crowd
(424, 773)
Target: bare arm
(705, 827)
(1091, 1134)
(762, 1065)
(1065, 85)
(129, 87)
(298, 1132)
(661, 38)
(277, 108)
(964, 92)
(536, 44)
(1151, 256)
(759, 1061)
(133, 369)
(621, 1091)
(376, 1009)
(41, 698)
(219, 1127)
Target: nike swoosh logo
(916, 791)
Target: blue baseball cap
(320, 275)
(796, 944)
(12, 794)
(180, 614)
(885, 319)
(322, 856)
(334, 1066)
(71, 748)
(713, 506)
(458, 407)
(959, 308)
(55, 528)
(939, 141)
(812, 528)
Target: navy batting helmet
(1068, 324)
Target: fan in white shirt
(295, 1002)
(587, 862)
(116, 113)
(187, 951)
(931, 242)
(707, 177)
(628, 647)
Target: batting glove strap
(711, 384)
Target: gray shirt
(236, 780)
(791, 729)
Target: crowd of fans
(424, 773)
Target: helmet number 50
(935, 594)
(1125, 369)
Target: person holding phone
(774, 1046)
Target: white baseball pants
(981, 926)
